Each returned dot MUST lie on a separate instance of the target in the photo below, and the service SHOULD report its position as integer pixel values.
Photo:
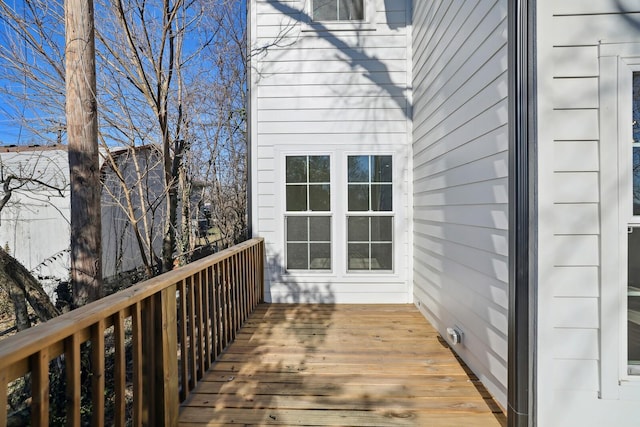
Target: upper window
(337, 10)
(308, 221)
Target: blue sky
(11, 129)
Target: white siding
(120, 248)
(460, 178)
(569, 256)
(34, 225)
(335, 91)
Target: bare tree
(171, 75)
(143, 44)
(222, 156)
(32, 71)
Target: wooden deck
(329, 365)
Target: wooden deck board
(330, 365)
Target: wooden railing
(133, 356)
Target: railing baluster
(200, 323)
(247, 272)
(119, 369)
(261, 272)
(136, 331)
(234, 297)
(251, 261)
(193, 362)
(97, 371)
(217, 316)
(40, 388)
(227, 303)
(239, 286)
(72, 371)
(166, 397)
(206, 296)
(184, 355)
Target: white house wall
(574, 368)
(34, 225)
(460, 178)
(120, 248)
(318, 90)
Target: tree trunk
(82, 133)
(22, 288)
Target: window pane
(633, 315)
(382, 170)
(381, 256)
(297, 228)
(381, 197)
(325, 10)
(382, 229)
(636, 107)
(319, 197)
(320, 256)
(320, 229)
(351, 10)
(358, 197)
(296, 198)
(358, 229)
(636, 180)
(358, 168)
(319, 169)
(296, 169)
(358, 256)
(297, 256)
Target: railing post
(167, 399)
(261, 263)
(160, 354)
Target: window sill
(630, 389)
(323, 27)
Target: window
(337, 10)
(369, 204)
(633, 241)
(308, 206)
(619, 213)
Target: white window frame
(369, 214)
(339, 273)
(308, 213)
(366, 24)
(617, 62)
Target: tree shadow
(375, 69)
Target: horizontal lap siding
(461, 178)
(569, 228)
(330, 92)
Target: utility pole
(82, 134)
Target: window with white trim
(633, 241)
(619, 214)
(308, 212)
(337, 10)
(369, 213)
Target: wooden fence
(151, 343)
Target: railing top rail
(16, 348)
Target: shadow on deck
(327, 365)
